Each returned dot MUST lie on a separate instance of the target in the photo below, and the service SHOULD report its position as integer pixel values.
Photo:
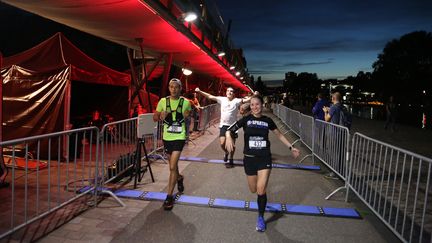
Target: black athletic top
(256, 130)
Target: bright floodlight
(190, 16)
(221, 54)
(237, 73)
(232, 67)
(186, 71)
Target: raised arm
(207, 95)
(248, 98)
(294, 151)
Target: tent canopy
(58, 52)
(36, 86)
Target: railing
(55, 170)
(394, 183)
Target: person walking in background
(391, 112)
(286, 101)
(257, 155)
(229, 109)
(196, 108)
(173, 111)
(317, 110)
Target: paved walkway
(143, 221)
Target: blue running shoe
(261, 224)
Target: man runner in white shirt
(229, 110)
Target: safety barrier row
(46, 172)
(209, 116)
(394, 183)
(49, 171)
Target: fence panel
(395, 184)
(47, 172)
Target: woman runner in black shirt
(257, 156)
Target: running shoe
(225, 157)
(261, 224)
(230, 164)
(168, 203)
(180, 185)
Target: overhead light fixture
(221, 54)
(186, 71)
(189, 16)
(241, 78)
(232, 67)
(237, 73)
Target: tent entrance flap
(110, 101)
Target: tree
(405, 64)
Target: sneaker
(168, 204)
(331, 175)
(225, 157)
(180, 186)
(261, 224)
(230, 164)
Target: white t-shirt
(229, 110)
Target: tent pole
(2, 164)
(134, 77)
(140, 40)
(165, 77)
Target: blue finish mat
(245, 205)
(240, 162)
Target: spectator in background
(332, 114)
(285, 100)
(317, 110)
(391, 112)
(196, 107)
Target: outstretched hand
(229, 144)
(295, 152)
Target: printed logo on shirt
(257, 124)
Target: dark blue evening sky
(333, 38)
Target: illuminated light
(237, 73)
(186, 71)
(190, 16)
(221, 54)
(424, 91)
(232, 67)
(241, 78)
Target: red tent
(37, 86)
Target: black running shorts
(253, 164)
(176, 145)
(223, 130)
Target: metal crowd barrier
(46, 173)
(395, 184)
(209, 116)
(118, 145)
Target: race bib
(175, 128)
(257, 143)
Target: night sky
(333, 38)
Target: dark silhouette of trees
(405, 64)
